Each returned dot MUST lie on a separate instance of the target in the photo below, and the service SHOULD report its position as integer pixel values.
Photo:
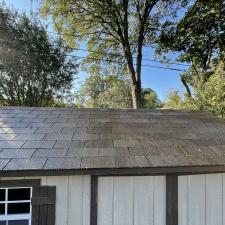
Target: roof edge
(181, 170)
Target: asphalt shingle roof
(57, 138)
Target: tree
(117, 30)
(199, 37)
(174, 101)
(208, 96)
(104, 91)
(150, 98)
(34, 68)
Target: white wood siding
(132, 200)
(201, 199)
(72, 198)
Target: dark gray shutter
(43, 205)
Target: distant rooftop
(79, 139)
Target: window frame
(34, 184)
(20, 216)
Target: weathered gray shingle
(49, 153)
(57, 138)
(63, 163)
(26, 164)
(16, 153)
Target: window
(15, 206)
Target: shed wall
(201, 199)
(139, 200)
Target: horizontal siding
(132, 200)
(201, 199)
(72, 198)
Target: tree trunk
(135, 87)
(186, 87)
(136, 96)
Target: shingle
(49, 153)
(111, 136)
(25, 164)
(138, 151)
(3, 163)
(39, 144)
(82, 152)
(67, 130)
(85, 136)
(4, 130)
(21, 130)
(11, 120)
(61, 125)
(98, 144)
(97, 162)
(32, 120)
(16, 153)
(63, 163)
(15, 125)
(48, 130)
(7, 137)
(126, 143)
(106, 152)
(94, 130)
(55, 120)
(121, 152)
(69, 144)
(59, 137)
(132, 161)
(37, 125)
(11, 144)
(29, 137)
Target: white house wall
(201, 199)
(132, 200)
(72, 198)
(138, 200)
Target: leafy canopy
(199, 38)
(209, 96)
(116, 30)
(105, 90)
(34, 69)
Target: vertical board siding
(75, 200)
(131, 200)
(201, 199)
(159, 201)
(72, 199)
(105, 203)
(61, 198)
(86, 200)
(214, 203)
(143, 201)
(123, 201)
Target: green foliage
(199, 38)
(208, 96)
(104, 91)
(111, 91)
(176, 101)
(150, 99)
(34, 69)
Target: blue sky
(162, 81)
